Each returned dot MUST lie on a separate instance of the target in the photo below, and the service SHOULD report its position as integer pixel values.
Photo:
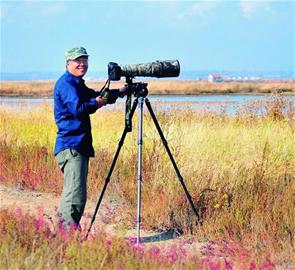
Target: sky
(203, 35)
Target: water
(225, 103)
(206, 98)
(175, 99)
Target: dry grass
(240, 170)
(45, 88)
(31, 242)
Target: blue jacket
(73, 102)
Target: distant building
(215, 78)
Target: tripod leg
(180, 178)
(107, 180)
(139, 174)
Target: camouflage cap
(75, 52)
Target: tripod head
(138, 89)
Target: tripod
(140, 94)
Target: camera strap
(106, 85)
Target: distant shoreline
(101, 75)
(159, 87)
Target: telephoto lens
(159, 69)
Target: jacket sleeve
(92, 93)
(75, 104)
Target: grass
(239, 169)
(45, 88)
(32, 244)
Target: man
(73, 103)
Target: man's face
(79, 66)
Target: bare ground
(32, 201)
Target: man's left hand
(123, 91)
(110, 96)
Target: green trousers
(75, 170)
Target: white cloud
(250, 8)
(198, 8)
(52, 9)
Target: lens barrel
(159, 69)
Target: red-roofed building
(215, 78)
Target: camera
(159, 69)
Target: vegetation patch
(240, 171)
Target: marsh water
(225, 103)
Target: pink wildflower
(39, 220)
(138, 249)
(252, 266)
(108, 244)
(121, 266)
(155, 253)
(228, 265)
(18, 212)
(267, 265)
(209, 264)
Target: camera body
(159, 69)
(114, 71)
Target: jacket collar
(71, 77)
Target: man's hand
(123, 91)
(101, 102)
(110, 96)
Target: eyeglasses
(81, 61)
